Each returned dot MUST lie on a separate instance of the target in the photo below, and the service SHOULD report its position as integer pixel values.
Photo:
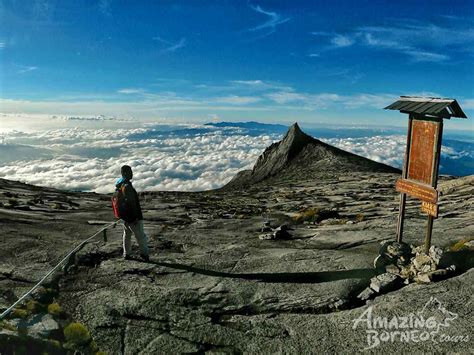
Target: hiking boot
(145, 257)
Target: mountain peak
(295, 138)
(300, 155)
(295, 129)
(279, 154)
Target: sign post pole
(403, 196)
(429, 231)
(434, 182)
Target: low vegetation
(461, 244)
(314, 215)
(19, 313)
(77, 335)
(33, 306)
(55, 309)
(7, 326)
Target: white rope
(79, 246)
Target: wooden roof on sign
(429, 106)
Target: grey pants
(139, 233)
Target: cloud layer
(189, 159)
(183, 158)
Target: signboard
(423, 192)
(422, 156)
(430, 208)
(423, 143)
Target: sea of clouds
(179, 158)
(89, 160)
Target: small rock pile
(401, 264)
(279, 233)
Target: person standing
(131, 214)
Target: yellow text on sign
(429, 208)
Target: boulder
(422, 262)
(282, 232)
(385, 282)
(45, 328)
(267, 236)
(366, 294)
(422, 278)
(381, 261)
(392, 269)
(435, 254)
(395, 250)
(266, 227)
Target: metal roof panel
(432, 106)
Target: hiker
(127, 207)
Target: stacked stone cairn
(400, 264)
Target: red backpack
(119, 203)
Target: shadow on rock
(289, 277)
(462, 259)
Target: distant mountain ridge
(299, 155)
(249, 125)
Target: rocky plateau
(273, 262)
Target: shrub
(315, 215)
(77, 334)
(93, 346)
(308, 215)
(19, 313)
(55, 309)
(55, 343)
(360, 217)
(33, 306)
(461, 244)
(7, 326)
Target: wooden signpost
(420, 168)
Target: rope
(78, 247)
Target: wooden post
(434, 183)
(403, 196)
(429, 230)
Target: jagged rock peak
(277, 155)
(295, 130)
(299, 155)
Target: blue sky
(318, 62)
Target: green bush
(461, 244)
(55, 309)
(19, 313)
(308, 215)
(77, 334)
(55, 343)
(314, 215)
(33, 306)
(7, 326)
